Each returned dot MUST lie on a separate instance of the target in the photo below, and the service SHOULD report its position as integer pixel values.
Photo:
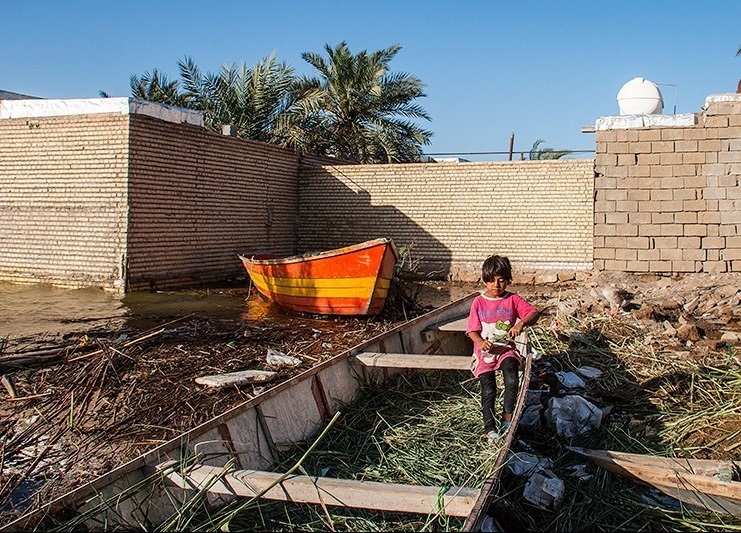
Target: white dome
(640, 97)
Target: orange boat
(348, 281)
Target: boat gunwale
(155, 455)
(323, 255)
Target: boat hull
(353, 280)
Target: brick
(672, 134)
(637, 242)
(690, 146)
(649, 159)
(662, 194)
(682, 217)
(648, 255)
(662, 146)
(683, 266)
(625, 254)
(637, 266)
(715, 122)
(713, 242)
(639, 147)
(664, 242)
(672, 229)
(671, 158)
(693, 254)
(649, 134)
(670, 254)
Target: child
(496, 317)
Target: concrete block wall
(198, 199)
(668, 199)
(63, 199)
(453, 215)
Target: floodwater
(28, 310)
(44, 310)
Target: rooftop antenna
(675, 94)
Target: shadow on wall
(333, 214)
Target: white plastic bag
(276, 358)
(572, 415)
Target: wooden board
(676, 481)
(416, 361)
(454, 325)
(236, 378)
(456, 501)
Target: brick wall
(63, 199)
(539, 213)
(668, 199)
(198, 199)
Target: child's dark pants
(509, 368)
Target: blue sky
(540, 69)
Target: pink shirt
(492, 318)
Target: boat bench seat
(418, 361)
(458, 324)
(457, 501)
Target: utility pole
(511, 145)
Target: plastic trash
(571, 380)
(589, 372)
(530, 418)
(579, 472)
(276, 358)
(525, 464)
(572, 415)
(535, 354)
(544, 489)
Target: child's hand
(515, 330)
(484, 345)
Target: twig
(125, 345)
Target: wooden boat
(234, 454)
(708, 484)
(353, 280)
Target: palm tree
(545, 153)
(356, 110)
(155, 87)
(252, 99)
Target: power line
(507, 152)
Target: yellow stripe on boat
(321, 287)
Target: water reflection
(27, 310)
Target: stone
(644, 312)
(669, 305)
(566, 276)
(688, 332)
(550, 277)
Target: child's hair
(496, 265)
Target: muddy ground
(76, 406)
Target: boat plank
(416, 361)
(457, 501)
(673, 477)
(453, 325)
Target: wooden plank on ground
(419, 361)
(236, 378)
(457, 501)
